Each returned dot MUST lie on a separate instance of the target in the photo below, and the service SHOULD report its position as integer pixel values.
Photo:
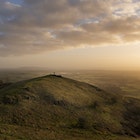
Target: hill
(54, 107)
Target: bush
(82, 123)
(10, 100)
(95, 105)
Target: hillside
(54, 107)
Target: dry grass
(51, 107)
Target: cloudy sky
(70, 34)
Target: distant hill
(57, 108)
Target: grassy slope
(54, 107)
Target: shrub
(10, 99)
(82, 123)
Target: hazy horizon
(70, 34)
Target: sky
(70, 34)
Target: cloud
(36, 26)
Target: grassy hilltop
(57, 108)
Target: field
(126, 83)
